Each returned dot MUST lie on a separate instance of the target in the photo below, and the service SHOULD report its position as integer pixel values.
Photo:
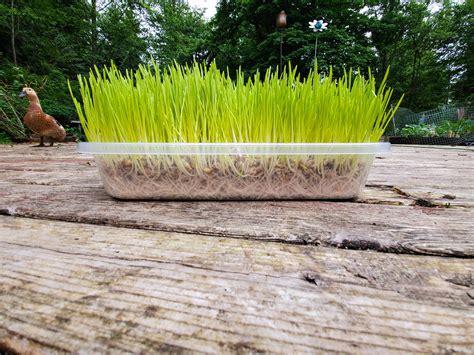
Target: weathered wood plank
(59, 184)
(427, 172)
(79, 287)
(443, 175)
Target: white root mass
(233, 177)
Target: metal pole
(315, 48)
(281, 51)
(281, 24)
(393, 122)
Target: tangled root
(233, 177)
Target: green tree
(462, 63)
(44, 43)
(51, 45)
(244, 34)
(178, 32)
(412, 41)
(120, 36)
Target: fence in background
(449, 124)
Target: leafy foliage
(447, 128)
(10, 121)
(121, 40)
(418, 130)
(458, 128)
(75, 132)
(181, 34)
(44, 43)
(244, 34)
(5, 138)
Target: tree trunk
(94, 31)
(413, 74)
(13, 34)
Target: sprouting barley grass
(202, 104)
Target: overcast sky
(208, 5)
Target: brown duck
(39, 122)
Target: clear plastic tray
(234, 171)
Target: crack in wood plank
(435, 200)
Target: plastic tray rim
(103, 148)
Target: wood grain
(391, 216)
(85, 288)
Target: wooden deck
(390, 273)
